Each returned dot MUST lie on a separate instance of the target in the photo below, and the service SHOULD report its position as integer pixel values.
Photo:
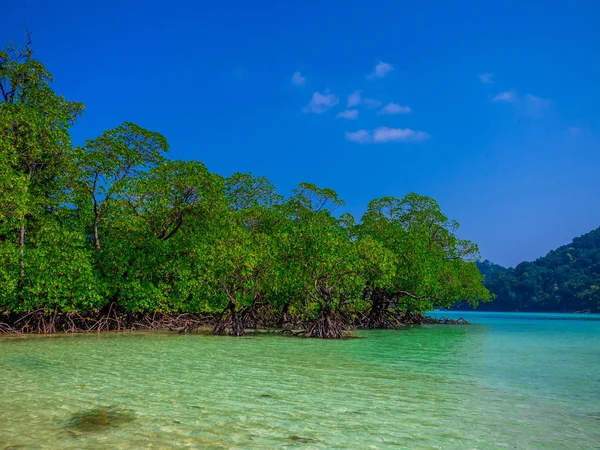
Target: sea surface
(508, 380)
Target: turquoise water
(507, 381)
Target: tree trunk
(232, 323)
(96, 236)
(283, 316)
(329, 325)
(379, 306)
(237, 326)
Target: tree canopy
(113, 233)
(565, 280)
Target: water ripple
(482, 386)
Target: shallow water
(507, 381)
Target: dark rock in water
(302, 440)
(99, 419)
(358, 412)
(176, 421)
(265, 396)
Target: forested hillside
(113, 234)
(566, 279)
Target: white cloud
(350, 114)
(319, 103)
(298, 79)
(487, 77)
(354, 99)
(506, 96)
(394, 108)
(360, 136)
(528, 105)
(381, 70)
(385, 134)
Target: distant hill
(565, 280)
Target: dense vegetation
(565, 280)
(112, 234)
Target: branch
(27, 45)
(4, 94)
(174, 230)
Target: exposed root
(111, 318)
(232, 324)
(6, 329)
(334, 325)
(237, 323)
(329, 325)
(382, 320)
(288, 322)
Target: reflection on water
(507, 382)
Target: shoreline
(44, 323)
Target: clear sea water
(508, 380)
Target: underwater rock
(99, 419)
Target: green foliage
(162, 198)
(34, 144)
(245, 191)
(65, 279)
(106, 165)
(113, 224)
(324, 267)
(566, 279)
(432, 267)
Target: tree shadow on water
(98, 420)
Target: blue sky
(489, 107)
